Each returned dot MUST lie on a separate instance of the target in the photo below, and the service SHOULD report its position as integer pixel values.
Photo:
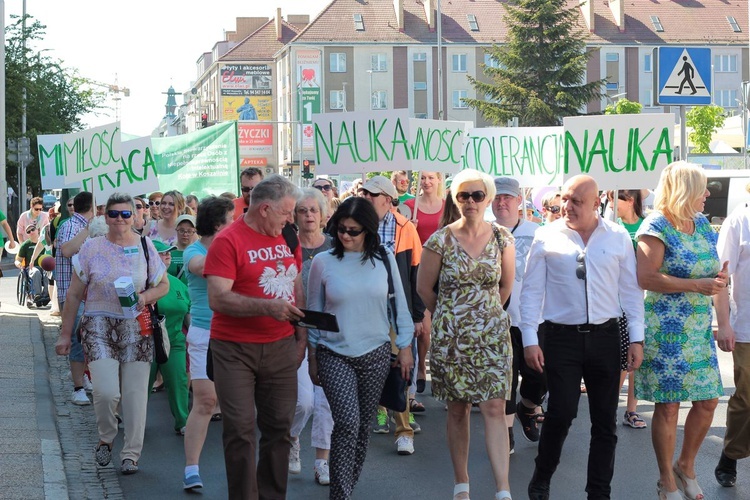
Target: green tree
(538, 72)
(624, 107)
(704, 120)
(56, 96)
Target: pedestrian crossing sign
(684, 76)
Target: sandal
(216, 417)
(634, 420)
(667, 495)
(688, 486)
(417, 407)
(421, 385)
(460, 489)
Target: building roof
(684, 22)
(262, 44)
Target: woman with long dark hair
(351, 281)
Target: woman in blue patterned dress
(679, 268)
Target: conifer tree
(539, 74)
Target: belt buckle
(586, 328)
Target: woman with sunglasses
(351, 281)
(154, 201)
(551, 209)
(164, 229)
(471, 353)
(119, 355)
(326, 187)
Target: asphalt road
(427, 474)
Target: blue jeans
(76, 349)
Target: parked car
(49, 200)
(728, 190)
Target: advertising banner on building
(308, 97)
(255, 139)
(200, 163)
(247, 108)
(246, 92)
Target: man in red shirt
(255, 289)
(249, 178)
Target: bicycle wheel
(21, 289)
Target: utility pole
(21, 167)
(3, 164)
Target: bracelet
(637, 342)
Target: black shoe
(420, 385)
(538, 488)
(726, 471)
(511, 441)
(527, 418)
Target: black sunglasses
(325, 187)
(350, 232)
(69, 204)
(113, 214)
(554, 209)
(477, 196)
(581, 269)
(152, 203)
(138, 206)
(364, 192)
(246, 189)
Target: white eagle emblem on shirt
(279, 282)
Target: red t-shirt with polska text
(261, 266)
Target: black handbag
(158, 322)
(393, 396)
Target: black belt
(583, 328)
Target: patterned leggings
(353, 387)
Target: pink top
(427, 223)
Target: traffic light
(306, 167)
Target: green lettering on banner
(375, 143)
(632, 134)
(662, 148)
(320, 139)
(580, 153)
(56, 154)
(597, 149)
(357, 156)
(399, 138)
(344, 132)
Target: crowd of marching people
(517, 313)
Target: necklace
(308, 253)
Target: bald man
(582, 269)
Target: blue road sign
(684, 76)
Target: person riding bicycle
(38, 293)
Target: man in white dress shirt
(581, 270)
(734, 337)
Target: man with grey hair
(253, 271)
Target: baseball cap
(507, 185)
(380, 184)
(30, 227)
(162, 247)
(185, 217)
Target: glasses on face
(477, 196)
(246, 189)
(305, 210)
(138, 206)
(154, 203)
(185, 232)
(554, 209)
(323, 187)
(37, 209)
(69, 205)
(351, 232)
(113, 214)
(581, 269)
(29, 231)
(364, 192)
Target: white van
(728, 190)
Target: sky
(143, 45)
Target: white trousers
(311, 401)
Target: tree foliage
(624, 107)
(539, 72)
(56, 96)
(705, 120)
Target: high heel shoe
(460, 488)
(667, 495)
(689, 487)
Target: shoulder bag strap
(145, 253)
(391, 290)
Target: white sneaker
(87, 385)
(405, 445)
(322, 475)
(80, 398)
(295, 466)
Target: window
(647, 63)
(459, 63)
(725, 63)
(379, 99)
(733, 24)
(726, 98)
(647, 98)
(338, 62)
(420, 85)
(359, 23)
(378, 62)
(657, 24)
(491, 62)
(473, 25)
(458, 99)
(420, 56)
(337, 99)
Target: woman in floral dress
(679, 268)
(471, 352)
